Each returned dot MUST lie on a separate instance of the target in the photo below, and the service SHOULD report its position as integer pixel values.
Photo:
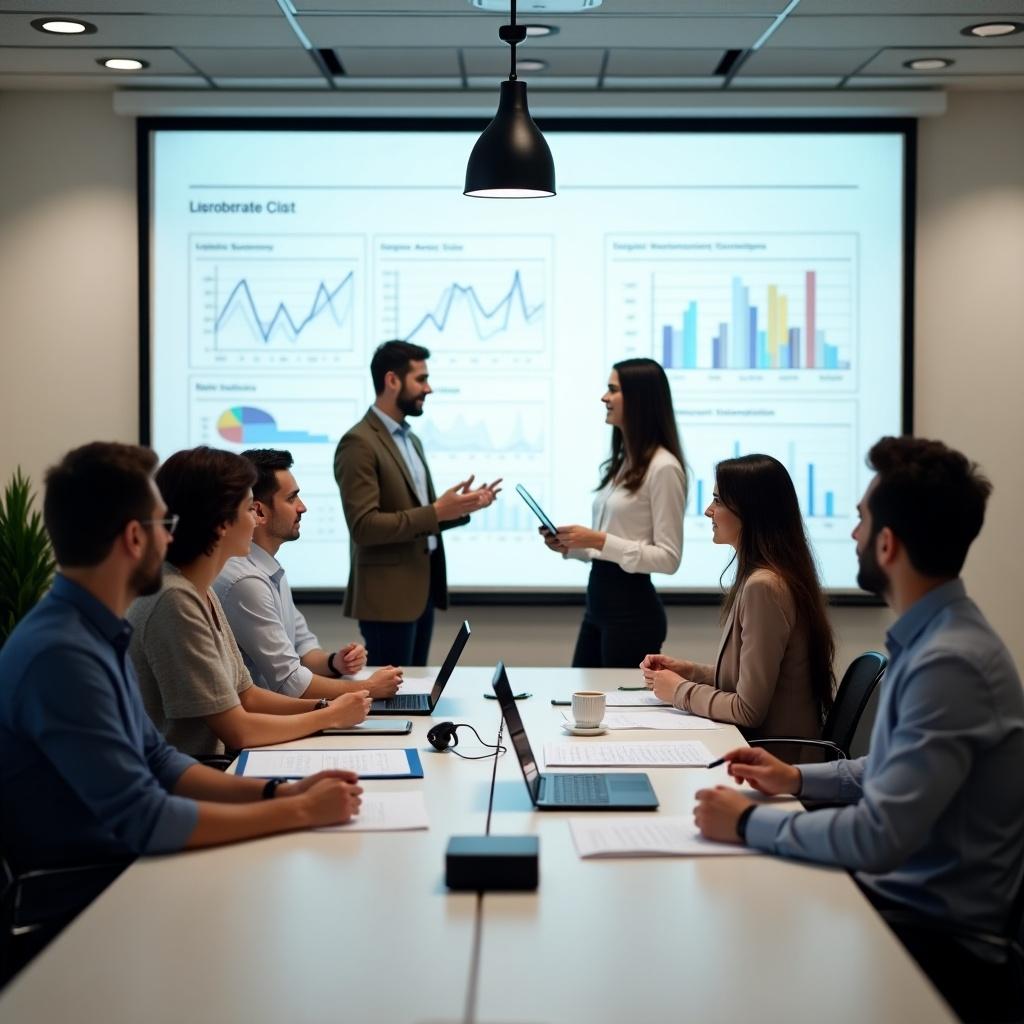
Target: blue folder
(412, 756)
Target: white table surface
(311, 927)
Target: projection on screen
(764, 271)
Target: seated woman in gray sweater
(194, 684)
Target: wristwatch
(323, 702)
(741, 822)
(271, 788)
(330, 664)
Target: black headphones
(444, 736)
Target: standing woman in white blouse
(638, 521)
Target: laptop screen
(516, 732)
(450, 661)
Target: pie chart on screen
(246, 424)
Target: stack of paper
(637, 699)
(650, 720)
(659, 836)
(682, 754)
(387, 812)
(297, 764)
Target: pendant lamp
(511, 160)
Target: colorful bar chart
(782, 333)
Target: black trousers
(624, 619)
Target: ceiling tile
(663, 82)
(82, 61)
(537, 82)
(270, 82)
(269, 8)
(783, 82)
(108, 82)
(253, 62)
(495, 62)
(883, 31)
(982, 8)
(386, 62)
(967, 61)
(662, 63)
(824, 61)
(608, 9)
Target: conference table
(322, 926)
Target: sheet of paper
(387, 812)
(659, 836)
(681, 754)
(634, 699)
(297, 764)
(420, 680)
(650, 720)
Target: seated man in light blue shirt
(84, 774)
(278, 648)
(933, 820)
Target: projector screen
(764, 266)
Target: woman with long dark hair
(774, 674)
(638, 521)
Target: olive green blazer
(390, 575)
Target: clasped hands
(463, 499)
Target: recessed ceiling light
(928, 64)
(531, 65)
(540, 30)
(122, 63)
(63, 26)
(990, 29)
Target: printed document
(387, 812)
(634, 699)
(420, 680)
(659, 836)
(681, 754)
(297, 764)
(650, 720)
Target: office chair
(857, 690)
(36, 905)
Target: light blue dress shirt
(84, 774)
(400, 432)
(936, 809)
(270, 631)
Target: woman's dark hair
(650, 423)
(204, 486)
(758, 489)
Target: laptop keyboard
(407, 702)
(577, 789)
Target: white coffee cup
(588, 708)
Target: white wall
(68, 358)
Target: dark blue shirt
(84, 775)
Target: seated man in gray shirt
(934, 815)
(278, 648)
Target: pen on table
(632, 687)
(717, 762)
(562, 703)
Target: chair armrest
(907, 920)
(834, 749)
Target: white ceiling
(449, 45)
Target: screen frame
(147, 127)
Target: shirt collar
(393, 425)
(265, 561)
(906, 629)
(115, 630)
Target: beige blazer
(390, 574)
(761, 681)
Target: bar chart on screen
(275, 300)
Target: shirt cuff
(175, 765)
(298, 682)
(178, 819)
(614, 550)
(312, 644)
(820, 781)
(763, 826)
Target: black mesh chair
(35, 905)
(846, 727)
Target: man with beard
(278, 647)
(84, 775)
(931, 821)
(397, 575)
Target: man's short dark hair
(931, 497)
(267, 462)
(204, 486)
(394, 356)
(92, 494)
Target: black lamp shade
(511, 160)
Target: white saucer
(576, 731)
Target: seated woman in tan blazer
(773, 675)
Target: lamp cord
(512, 43)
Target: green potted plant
(26, 558)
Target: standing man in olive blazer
(397, 574)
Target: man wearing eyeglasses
(84, 774)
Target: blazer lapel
(382, 432)
(418, 445)
(726, 636)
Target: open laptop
(424, 703)
(570, 791)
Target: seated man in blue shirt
(279, 649)
(84, 775)
(933, 820)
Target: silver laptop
(424, 703)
